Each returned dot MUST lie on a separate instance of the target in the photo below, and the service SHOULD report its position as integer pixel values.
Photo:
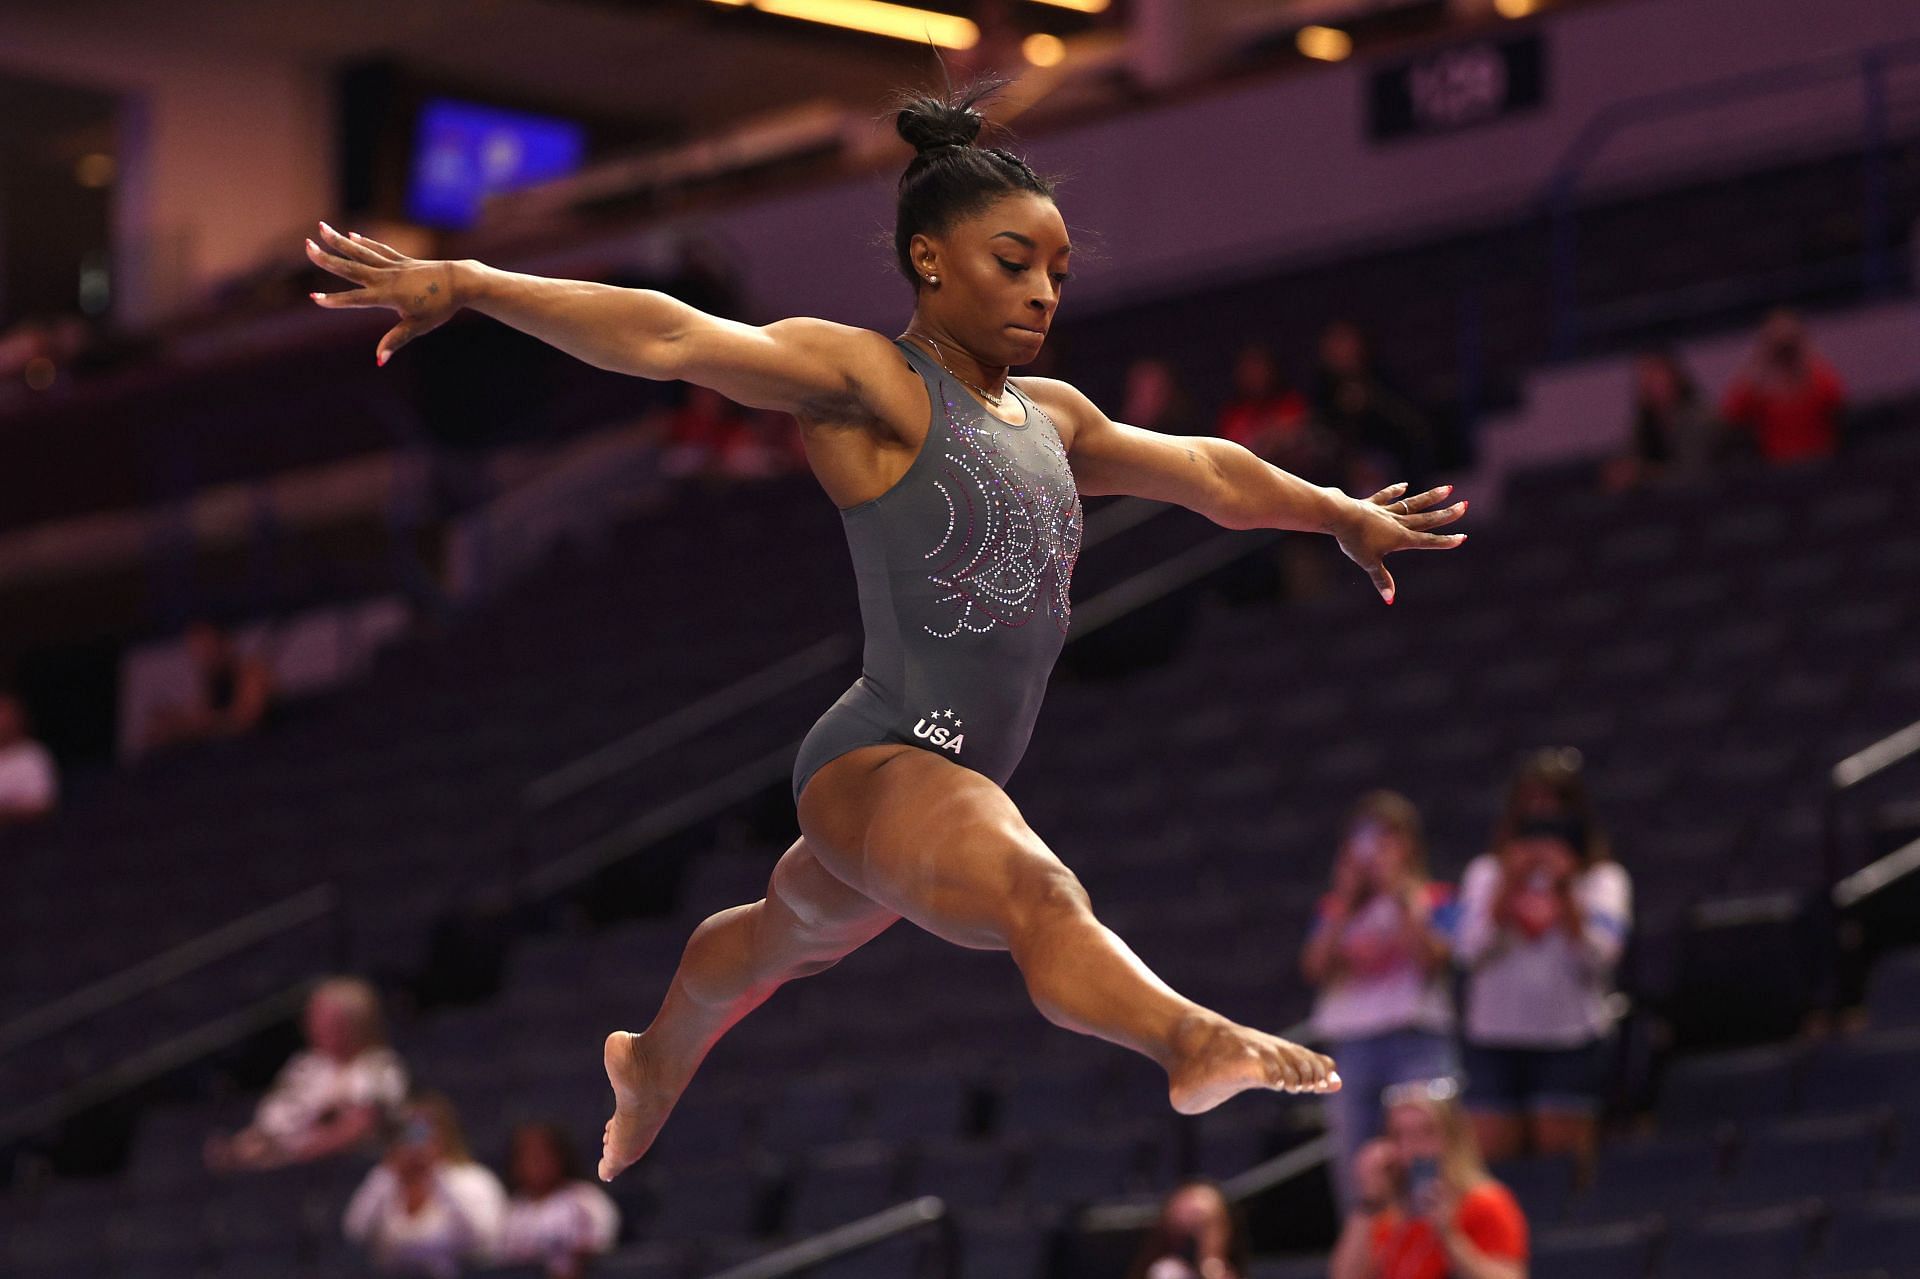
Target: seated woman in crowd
(556, 1217)
(1379, 959)
(1427, 1207)
(428, 1207)
(330, 1097)
(1201, 1234)
(1543, 922)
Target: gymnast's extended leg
(944, 847)
(808, 921)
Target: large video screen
(464, 152)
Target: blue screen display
(464, 152)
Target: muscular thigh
(824, 904)
(940, 844)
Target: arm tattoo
(1192, 456)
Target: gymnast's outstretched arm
(789, 365)
(1236, 489)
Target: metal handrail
(671, 730)
(926, 1212)
(575, 867)
(1842, 780)
(1869, 64)
(1877, 758)
(319, 902)
(752, 691)
(128, 1074)
(1137, 1214)
(737, 700)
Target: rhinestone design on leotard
(1012, 533)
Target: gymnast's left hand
(1370, 529)
(421, 291)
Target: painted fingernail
(314, 296)
(380, 360)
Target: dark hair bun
(928, 123)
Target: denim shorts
(1518, 1080)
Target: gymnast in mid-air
(959, 488)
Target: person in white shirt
(331, 1097)
(555, 1218)
(1544, 919)
(1378, 956)
(428, 1207)
(29, 781)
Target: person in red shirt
(1788, 397)
(1266, 415)
(1428, 1207)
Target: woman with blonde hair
(429, 1207)
(1428, 1208)
(330, 1097)
(1378, 956)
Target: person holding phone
(428, 1207)
(1201, 1234)
(1544, 920)
(1378, 955)
(1427, 1208)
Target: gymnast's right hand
(422, 292)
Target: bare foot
(1214, 1059)
(641, 1103)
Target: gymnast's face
(1001, 275)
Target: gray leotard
(963, 568)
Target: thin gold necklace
(989, 396)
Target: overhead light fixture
(1516, 8)
(875, 17)
(1079, 6)
(1043, 50)
(1326, 44)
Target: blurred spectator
(1544, 918)
(1201, 1234)
(1154, 399)
(1788, 398)
(1382, 437)
(760, 445)
(330, 1097)
(428, 1207)
(1268, 416)
(556, 1217)
(233, 692)
(1427, 1207)
(700, 431)
(1378, 957)
(29, 780)
(37, 354)
(1674, 435)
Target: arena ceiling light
(875, 17)
(1326, 44)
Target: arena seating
(1193, 800)
(1710, 650)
